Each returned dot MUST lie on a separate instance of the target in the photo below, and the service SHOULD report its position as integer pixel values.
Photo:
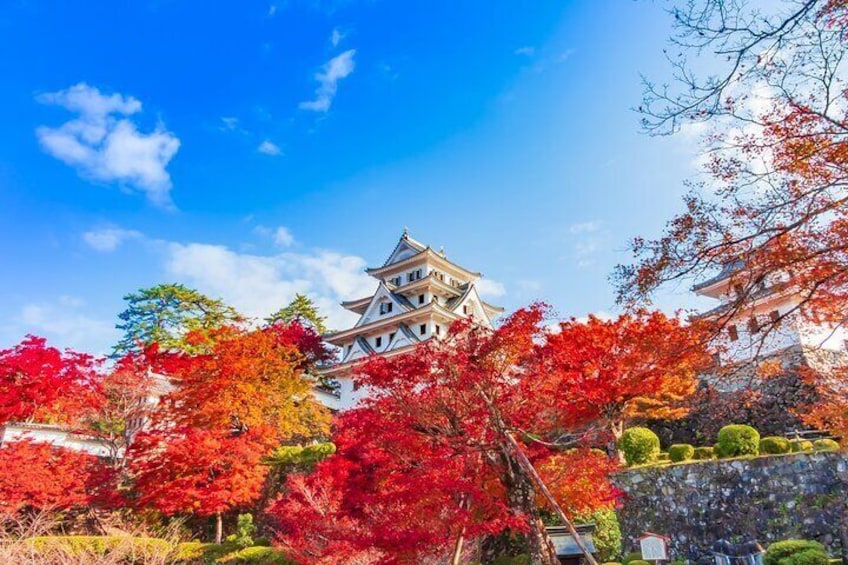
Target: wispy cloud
(328, 77)
(281, 235)
(104, 144)
(109, 239)
(64, 324)
(490, 288)
(527, 51)
(589, 238)
(269, 148)
(584, 227)
(337, 36)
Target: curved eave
(437, 258)
(336, 370)
(359, 305)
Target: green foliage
(825, 445)
(288, 458)
(801, 445)
(782, 549)
(681, 452)
(663, 457)
(258, 555)
(639, 445)
(301, 310)
(806, 557)
(165, 313)
(607, 536)
(243, 537)
(88, 546)
(631, 557)
(702, 453)
(738, 439)
(639, 562)
(775, 445)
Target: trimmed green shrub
(639, 445)
(663, 457)
(738, 439)
(259, 555)
(681, 452)
(702, 453)
(775, 445)
(806, 557)
(825, 445)
(607, 535)
(631, 557)
(782, 549)
(801, 445)
(717, 451)
(639, 562)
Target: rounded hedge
(806, 557)
(639, 445)
(702, 453)
(825, 445)
(663, 457)
(801, 445)
(738, 439)
(775, 445)
(631, 557)
(681, 452)
(780, 550)
(639, 562)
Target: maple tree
(43, 477)
(774, 214)
(641, 365)
(429, 459)
(233, 403)
(39, 383)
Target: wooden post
(219, 528)
(528, 466)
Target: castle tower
(419, 294)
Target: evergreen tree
(302, 310)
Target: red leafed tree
(428, 460)
(232, 404)
(41, 383)
(39, 477)
(641, 365)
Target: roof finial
(442, 250)
(405, 231)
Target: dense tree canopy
(301, 310)
(166, 314)
(429, 459)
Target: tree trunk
(522, 499)
(457, 549)
(616, 429)
(219, 528)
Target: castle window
(466, 309)
(391, 336)
(717, 359)
(385, 307)
(774, 315)
(422, 329)
(395, 281)
(732, 332)
(754, 325)
(378, 341)
(414, 275)
(420, 299)
(438, 329)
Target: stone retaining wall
(767, 499)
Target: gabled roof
(408, 333)
(383, 292)
(730, 268)
(406, 247)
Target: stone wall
(767, 499)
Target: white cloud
(103, 144)
(269, 148)
(257, 285)
(584, 227)
(490, 288)
(283, 237)
(527, 50)
(337, 36)
(108, 239)
(62, 323)
(272, 9)
(328, 77)
(230, 123)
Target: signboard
(654, 547)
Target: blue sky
(255, 149)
